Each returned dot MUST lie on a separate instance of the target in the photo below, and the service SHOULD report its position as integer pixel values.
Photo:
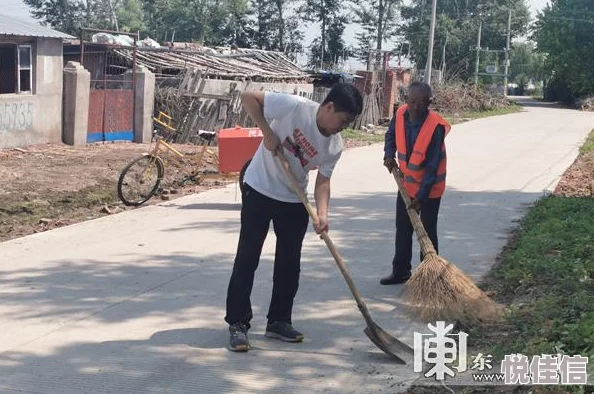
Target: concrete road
(134, 303)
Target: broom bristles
(438, 290)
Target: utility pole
(507, 53)
(443, 56)
(323, 36)
(431, 38)
(478, 51)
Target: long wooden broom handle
(424, 240)
(324, 235)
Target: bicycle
(242, 175)
(152, 168)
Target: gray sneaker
(238, 339)
(283, 331)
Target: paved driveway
(134, 303)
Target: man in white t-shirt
(308, 133)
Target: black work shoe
(395, 279)
(283, 331)
(238, 340)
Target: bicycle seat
(207, 135)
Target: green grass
(359, 135)
(546, 275)
(589, 144)
(362, 136)
(549, 270)
(482, 114)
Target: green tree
(526, 65)
(335, 47)
(63, 15)
(378, 20)
(564, 31)
(275, 27)
(208, 22)
(329, 45)
(457, 30)
(242, 25)
(294, 38)
(129, 15)
(265, 30)
(69, 16)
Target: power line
(562, 18)
(580, 12)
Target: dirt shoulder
(578, 180)
(54, 185)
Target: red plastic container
(236, 146)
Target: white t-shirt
(294, 122)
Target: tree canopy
(564, 30)
(378, 21)
(526, 65)
(457, 30)
(264, 24)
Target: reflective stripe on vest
(414, 169)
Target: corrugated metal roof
(15, 27)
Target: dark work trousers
(290, 221)
(404, 232)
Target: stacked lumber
(254, 64)
(372, 111)
(197, 115)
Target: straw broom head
(438, 290)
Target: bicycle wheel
(242, 174)
(140, 180)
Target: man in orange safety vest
(414, 143)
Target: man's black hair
(346, 98)
(422, 87)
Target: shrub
(460, 98)
(586, 104)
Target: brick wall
(390, 93)
(393, 80)
(364, 84)
(404, 76)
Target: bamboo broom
(437, 289)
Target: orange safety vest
(414, 170)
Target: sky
(17, 9)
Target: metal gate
(113, 88)
(111, 115)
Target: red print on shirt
(300, 146)
(305, 145)
(295, 150)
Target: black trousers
(401, 264)
(290, 221)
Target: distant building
(30, 83)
